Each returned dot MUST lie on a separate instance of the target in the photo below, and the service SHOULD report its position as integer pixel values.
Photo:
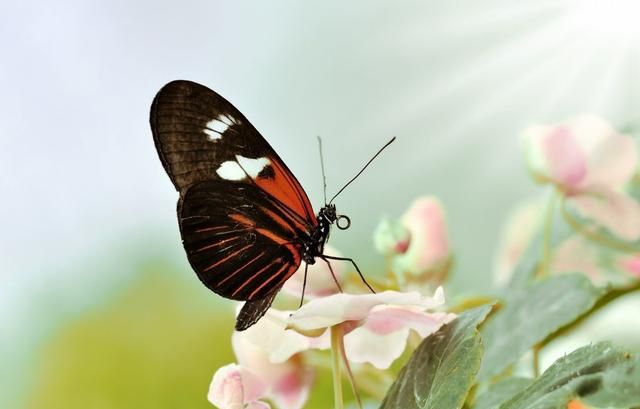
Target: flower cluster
(273, 355)
(589, 167)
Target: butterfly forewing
(200, 136)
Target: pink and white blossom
(589, 162)
(271, 352)
(631, 265)
(521, 226)
(575, 254)
(376, 326)
(419, 241)
(236, 387)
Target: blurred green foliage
(154, 345)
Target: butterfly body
(245, 221)
(314, 246)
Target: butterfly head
(328, 216)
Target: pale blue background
(82, 187)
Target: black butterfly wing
(242, 213)
(252, 311)
(238, 239)
(201, 136)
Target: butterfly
(246, 222)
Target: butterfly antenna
(363, 168)
(324, 177)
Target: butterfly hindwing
(201, 136)
(252, 311)
(238, 239)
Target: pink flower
(589, 162)
(271, 353)
(376, 326)
(631, 264)
(577, 254)
(419, 242)
(235, 387)
(319, 280)
(520, 228)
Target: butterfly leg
(304, 283)
(324, 257)
(335, 279)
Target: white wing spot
(217, 126)
(230, 170)
(235, 170)
(252, 166)
(228, 119)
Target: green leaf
(530, 314)
(585, 374)
(620, 387)
(443, 368)
(501, 392)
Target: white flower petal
(258, 405)
(617, 212)
(612, 157)
(334, 309)
(383, 336)
(361, 346)
(270, 336)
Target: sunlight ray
(502, 96)
(516, 52)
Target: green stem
(352, 380)
(336, 342)
(546, 235)
(536, 360)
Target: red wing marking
(225, 259)
(239, 269)
(269, 234)
(253, 293)
(283, 223)
(257, 273)
(284, 188)
(206, 229)
(242, 219)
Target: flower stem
(536, 360)
(336, 343)
(352, 380)
(546, 235)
